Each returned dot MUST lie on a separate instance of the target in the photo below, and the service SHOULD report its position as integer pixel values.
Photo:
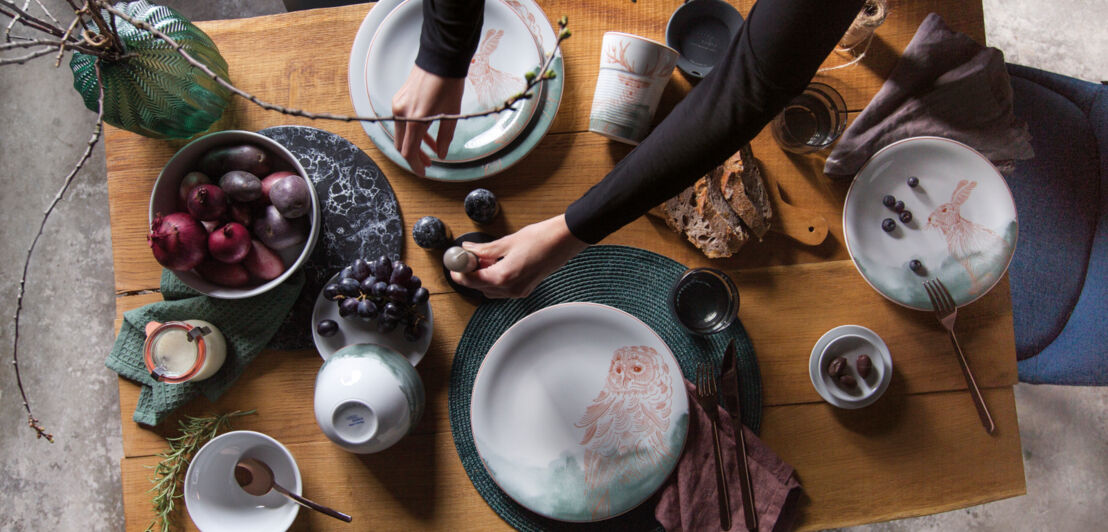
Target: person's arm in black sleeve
(771, 60)
(451, 31)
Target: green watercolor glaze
(406, 376)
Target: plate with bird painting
(512, 42)
(579, 412)
(930, 208)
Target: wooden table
(918, 450)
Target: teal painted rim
(633, 280)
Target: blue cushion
(1057, 201)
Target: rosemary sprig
(169, 473)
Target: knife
(729, 385)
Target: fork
(708, 397)
(946, 311)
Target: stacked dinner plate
(515, 39)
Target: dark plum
(327, 327)
(430, 233)
(481, 206)
(279, 232)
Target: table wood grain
(918, 450)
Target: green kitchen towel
(247, 324)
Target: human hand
(425, 94)
(514, 265)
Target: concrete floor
(68, 319)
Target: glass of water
(704, 301)
(811, 121)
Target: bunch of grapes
(383, 290)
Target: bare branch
(44, 10)
(61, 47)
(532, 81)
(25, 18)
(29, 43)
(24, 58)
(31, 420)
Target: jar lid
(174, 351)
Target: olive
(848, 381)
(864, 365)
(836, 367)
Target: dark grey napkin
(944, 85)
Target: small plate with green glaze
(579, 412)
(963, 225)
(510, 141)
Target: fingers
(446, 134)
(409, 149)
(487, 254)
(494, 282)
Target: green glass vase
(152, 90)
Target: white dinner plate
(547, 100)
(354, 330)
(963, 228)
(506, 50)
(579, 412)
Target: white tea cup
(633, 73)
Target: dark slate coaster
(360, 216)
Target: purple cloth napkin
(944, 85)
(689, 500)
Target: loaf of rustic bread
(724, 209)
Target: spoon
(256, 478)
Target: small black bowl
(701, 31)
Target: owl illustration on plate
(626, 424)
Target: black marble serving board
(359, 213)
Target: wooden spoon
(256, 478)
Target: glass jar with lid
(183, 351)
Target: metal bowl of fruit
(376, 301)
(233, 214)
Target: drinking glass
(704, 301)
(811, 121)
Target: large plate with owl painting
(579, 412)
(514, 39)
(962, 226)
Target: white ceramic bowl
(367, 397)
(215, 502)
(163, 200)
(850, 342)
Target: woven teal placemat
(630, 279)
